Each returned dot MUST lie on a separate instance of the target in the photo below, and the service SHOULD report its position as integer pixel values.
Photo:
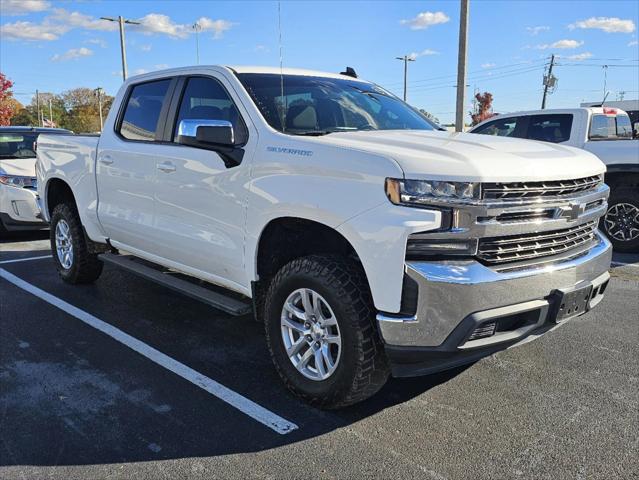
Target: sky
(54, 46)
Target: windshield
(17, 145)
(320, 105)
(610, 127)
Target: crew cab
(366, 241)
(605, 131)
(18, 208)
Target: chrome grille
(501, 191)
(535, 245)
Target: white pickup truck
(366, 241)
(605, 131)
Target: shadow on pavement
(72, 396)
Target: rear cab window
(553, 128)
(143, 110)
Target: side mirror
(200, 132)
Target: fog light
(483, 331)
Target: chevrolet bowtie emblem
(571, 212)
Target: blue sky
(58, 45)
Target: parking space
(83, 395)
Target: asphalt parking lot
(126, 379)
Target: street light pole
(405, 59)
(461, 66)
(197, 28)
(121, 21)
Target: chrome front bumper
(455, 296)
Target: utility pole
(605, 69)
(50, 112)
(405, 59)
(461, 65)
(197, 27)
(121, 21)
(548, 81)
(38, 107)
(98, 93)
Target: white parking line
(16, 260)
(243, 404)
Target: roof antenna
(604, 99)
(349, 72)
(283, 107)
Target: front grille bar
(531, 246)
(502, 191)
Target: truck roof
(549, 111)
(250, 69)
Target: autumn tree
(7, 103)
(82, 109)
(484, 107)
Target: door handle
(166, 167)
(106, 160)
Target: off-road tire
(85, 268)
(622, 194)
(363, 367)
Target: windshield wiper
(312, 133)
(13, 156)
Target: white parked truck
(367, 242)
(605, 131)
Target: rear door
(553, 128)
(127, 165)
(200, 202)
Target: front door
(200, 203)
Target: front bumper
(456, 297)
(20, 209)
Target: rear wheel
(621, 222)
(320, 332)
(73, 260)
(3, 231)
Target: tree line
(76, 109)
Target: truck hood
(471, 157)
(18, 166)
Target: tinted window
(17, 145)
(317, 105)
(142, 114)
(550, 128)
(610, 127)
(504, 127)
(206, 99)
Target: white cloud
(32, 31)
(146, 48)
(53, 26)
(423, 53)
(22, 7)
(580, 56)
(80, 20)
(218, 27)
(97, 41)
(633, 43)
(72, 54)
(561, 44)
(426, 19)
(535, 30)
(161, 66)
(488, 65)
(262, 48)
(156, 23)
(140, 71)
(607, 24)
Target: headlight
(18, 181)
(421, 192)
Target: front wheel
(621, 222)
(320, 332)
(73, 260)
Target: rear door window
(142, 114)
(610, 127)
(550, 128)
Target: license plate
(573, 303)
